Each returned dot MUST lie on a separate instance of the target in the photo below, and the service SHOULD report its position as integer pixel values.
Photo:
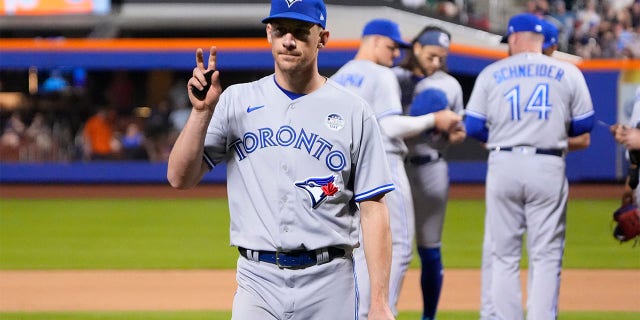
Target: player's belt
(420, 160)
(294, 259)
(531, 150)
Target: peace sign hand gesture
(204, 86)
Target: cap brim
(404, 45)
(293, 16)
(401, 43)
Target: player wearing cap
(428, 90)
(305, 175)
(524, 108)
(369, 75)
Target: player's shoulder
(264, 82)
(347, 97)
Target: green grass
(194, 234)
(203, 315)
(114, 234)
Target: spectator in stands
(134, 143)
(40, 136)
(588, 18)
(565, 22)
(99, 142)
(14, 130)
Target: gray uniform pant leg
(319, 292)
(430, 189)
(486, 306)
(526, 193)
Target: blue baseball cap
(387, 28)
(523, 22)
(313, 11)
(428, 101)
(550, 32)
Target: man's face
(431, 58)
(386, 50)
(294, 43)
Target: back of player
(369, 76)
(525, 107)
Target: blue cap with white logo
(550, 32)
(387, 28)
(313, 11)
(524, 22)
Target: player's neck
(300, 82)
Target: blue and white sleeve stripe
(374, 192)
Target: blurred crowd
(591, 29)
(70, 124)
(594, 29)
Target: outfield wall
(611, 83)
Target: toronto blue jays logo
(318, 189)
(290, 2)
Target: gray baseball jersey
(528, 102)
(321, 152)
(378, 86)
(530, 94)
(430, 180)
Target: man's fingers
(199, 59)
(212, 58)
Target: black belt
(295, 259)
(420, 160)
(551, 152)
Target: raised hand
(204, 86)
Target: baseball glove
(627, 219)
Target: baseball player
(538, 102)
(549, 46)
(305, 173)
(628, 135)
(427, 89)
(369, 75)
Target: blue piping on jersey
(476, 127)
(582, 124)
(371, 193)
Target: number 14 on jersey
(538, 101)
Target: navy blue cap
(550, 32)
(387, 28)
(313, 11)
(434, 38)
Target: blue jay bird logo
(318, 189)
(290, 2)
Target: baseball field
(150, 252)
